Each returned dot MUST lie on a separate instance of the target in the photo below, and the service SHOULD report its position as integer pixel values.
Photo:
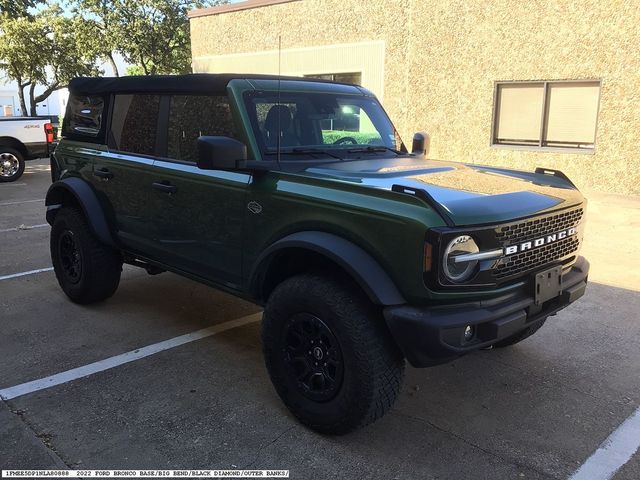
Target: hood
(468, 194)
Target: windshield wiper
(303, 151)
(376, 149)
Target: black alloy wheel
(313, 357)
(70, 256)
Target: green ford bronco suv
(299, 195)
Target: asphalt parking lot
(537, 411)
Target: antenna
(278, 103)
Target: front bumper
(435, 334)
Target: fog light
(469, 331)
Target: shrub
(363, 138)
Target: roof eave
(234, 7)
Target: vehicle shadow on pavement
(168, 300)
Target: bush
(331, 136)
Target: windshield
(321, 125)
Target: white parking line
(24, 227)
(614, 452)
(6, 204)
(22, 274)
(15, 184)
(107, 363)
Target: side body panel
(76, 159)
(124, 185)
(389, 227)
(198, 227)
(26, 130)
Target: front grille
(530, 229)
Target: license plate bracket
(548, 285)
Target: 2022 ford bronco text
(300, 196)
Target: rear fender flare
(84, 196)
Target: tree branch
(48, 91)
(113, 64)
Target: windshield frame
(317, 156)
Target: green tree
(100, 27)
(47, 49)
(151, 35)
(17, 8)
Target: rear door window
(134, 123)
(192, 116)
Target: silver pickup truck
(22, 138)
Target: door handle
(103, 173)
(165, 187)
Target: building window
(354, 78)
(546, 114)
(134, 123)
(192, 116)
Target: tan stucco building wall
(434, 65)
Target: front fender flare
(84, 196)
(361, 266)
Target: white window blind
(572, 112)
(519, 113)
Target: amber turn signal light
(428, 251)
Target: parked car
(22, 138)
(362, 254)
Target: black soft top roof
(209, 83)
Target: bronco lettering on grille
(539, 242)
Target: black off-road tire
(520, 336)
(373, 366)
(87, 270)
(11, 155)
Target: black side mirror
(420, 145)
(221, 153)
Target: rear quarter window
(84, 117)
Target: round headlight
(459, 270)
